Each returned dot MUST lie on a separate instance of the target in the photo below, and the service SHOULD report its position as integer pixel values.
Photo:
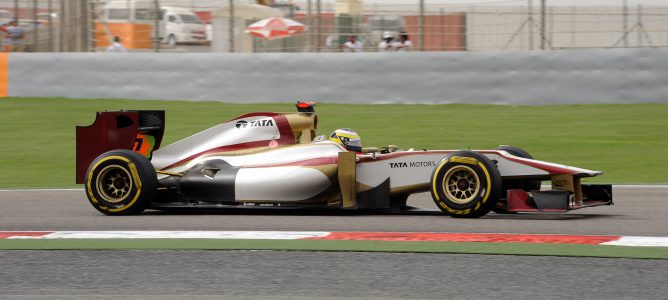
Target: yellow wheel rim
(114, 183)
(461, 184)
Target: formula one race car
(276, 159)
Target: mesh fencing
(220, 25)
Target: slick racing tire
(120, 182)
(465, 184)
(515, 184)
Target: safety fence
(220, 25)
(511, 77)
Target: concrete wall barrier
(534, 78)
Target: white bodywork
(275, 175)
(245, 130)
(280, 184)
(264, 171)
(410, 168)
(402, 170)
(272, 175)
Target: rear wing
(138, 130)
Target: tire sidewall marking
(489, 183)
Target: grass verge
(627, 141)
(357, 246)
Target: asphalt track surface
(278, 275)
(640, 211)
(322, 275)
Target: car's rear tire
(120, 182)
(511, 184)
(465, 184)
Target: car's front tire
(120, 182)
(465, 184)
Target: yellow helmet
(348, 138)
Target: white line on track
(625, 186)
(639, 241)
(630, 241)
(148, 234)
(641, 186)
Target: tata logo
(398, 165)
(241, 124)
(413, 164)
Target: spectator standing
(353, 45)
(404, 43)
(116, 46)
(3, 31)
(387, 44)
(14, 37)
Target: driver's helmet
(348, 138)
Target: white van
(176, 25)
(182, 25)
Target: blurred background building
(432, 25)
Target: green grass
(366, 246)
(628, 142)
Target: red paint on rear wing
(116, 130)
